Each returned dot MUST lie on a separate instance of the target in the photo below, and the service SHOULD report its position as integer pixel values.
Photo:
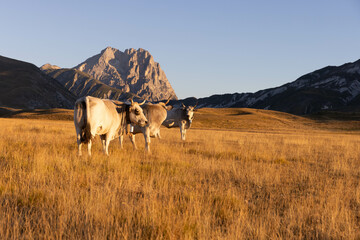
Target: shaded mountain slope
(23, 85)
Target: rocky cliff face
(132, 71)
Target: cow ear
(169, 107)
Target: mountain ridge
(23, 85)
(328, 88)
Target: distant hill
(23, 85)
(330, 88)
(82, 84)
(132, 71)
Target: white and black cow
(180, 117)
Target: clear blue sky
(204, 47)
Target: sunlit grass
(219, 184)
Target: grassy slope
(265, 180)
(247, 119)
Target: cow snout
(142, 123)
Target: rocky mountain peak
(108, 53)
(109, 49)
(48, 66)
(132, 71)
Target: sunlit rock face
(132, 71)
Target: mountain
(132, 71)
(82, 84)
(329, 88)
(23, 85)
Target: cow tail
(81, 117)
(86, 133)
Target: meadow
(241, 174)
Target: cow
(180, 117)
(155, 114)
(94, 116)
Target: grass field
(241, 174)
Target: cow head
(188, 112)
(136, 114)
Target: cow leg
(121, 140)
(107, 142)
(158, 135)
(103, 142)
(132, 139)
(79, 143)
(147, 139)
(89, 148)
(182, 131)
(78, 140)
(79, 149)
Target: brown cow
(155, 114)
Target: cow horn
(168, 100)
(132, 102)
(183, 105)
(142, 103)
(116, 102)
(196, 104)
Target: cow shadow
(240, 112)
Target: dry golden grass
(288, 180)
